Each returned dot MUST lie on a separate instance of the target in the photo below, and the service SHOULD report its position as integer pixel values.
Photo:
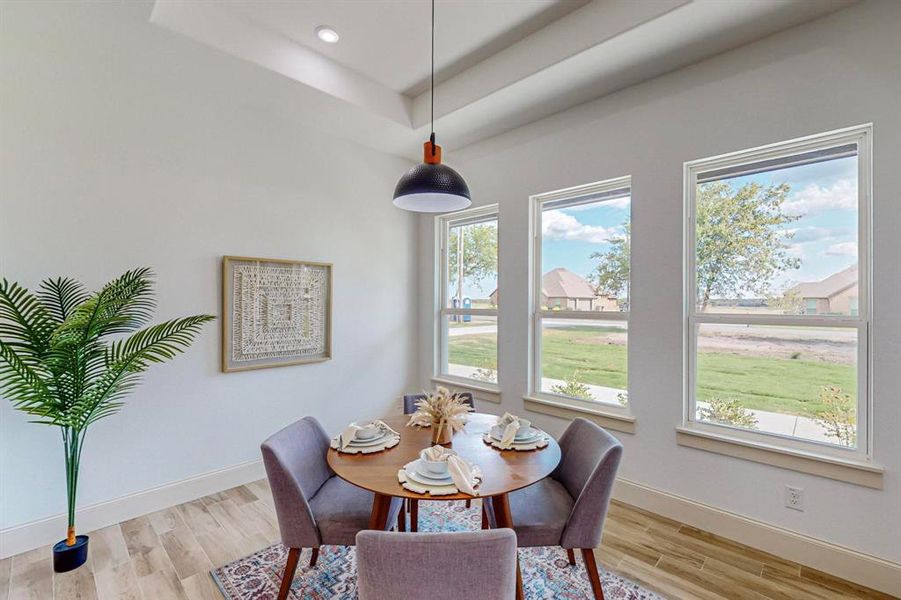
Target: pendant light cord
(432, 136)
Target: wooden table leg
(378, 518)
(504, 518)
(414, 515)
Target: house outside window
(580, 295)
(777, 284)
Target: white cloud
(842, 249)
(796, 251)
(814, 199)
(558, 225)
(804, 235)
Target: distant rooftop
(828, 287)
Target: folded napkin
(510, 423)
(460, 470)
(350, 432)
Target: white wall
(841, 70)
(124, 145)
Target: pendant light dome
(432, 187)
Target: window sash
(801, 151)
(443, 225)
(575, 196)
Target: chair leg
(288, 576)
(414, 515)
(572, 556)
(314, 557)
(402, 520)
(592, 567)
(485, 523)
(469, 504)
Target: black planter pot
(67, 558)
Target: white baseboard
(863, 569)
(42, 532)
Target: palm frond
(24, 321)
(60, 296)
(125, 359)
(122, 306)
(25, 385)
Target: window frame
(443, 224)
(537, 315)
(860, 135)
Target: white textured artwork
(278, 312)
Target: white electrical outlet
(794, 498)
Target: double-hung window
(777, 286)
(580, 294)
(467, 296)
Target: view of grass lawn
(772, 384)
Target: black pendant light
(432, 187)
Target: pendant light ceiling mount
(432, 187)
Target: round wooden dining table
(503, 471)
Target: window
(468, 296)
(580, 294)
(777, 285)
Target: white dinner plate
(413, 474)
(373, 442)
(533, 435)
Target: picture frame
(275, 312)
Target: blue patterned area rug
(546, 572)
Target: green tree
(741, 245)
(479, 249)
(611, 275)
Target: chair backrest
(438, 566)
(587, 470)
(296, 466)
(410, 401)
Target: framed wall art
(275, 312)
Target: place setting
(365, 437)
(513, 433)
(440, 471)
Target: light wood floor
(168, 555)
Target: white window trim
(535, 397)
(862, 136)
(443, 223)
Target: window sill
(481, 391)
(840, 469)
(564, 410)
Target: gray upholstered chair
(568, 508)
(437, 566)
(313, 506)
(410, 401)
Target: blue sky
(823, 195)
(570, 235)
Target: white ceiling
(389, 40)
(502, 63)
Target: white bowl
(524, 426)
(434, 467)
(369, 431)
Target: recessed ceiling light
(327, 34)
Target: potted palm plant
(58, 365)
